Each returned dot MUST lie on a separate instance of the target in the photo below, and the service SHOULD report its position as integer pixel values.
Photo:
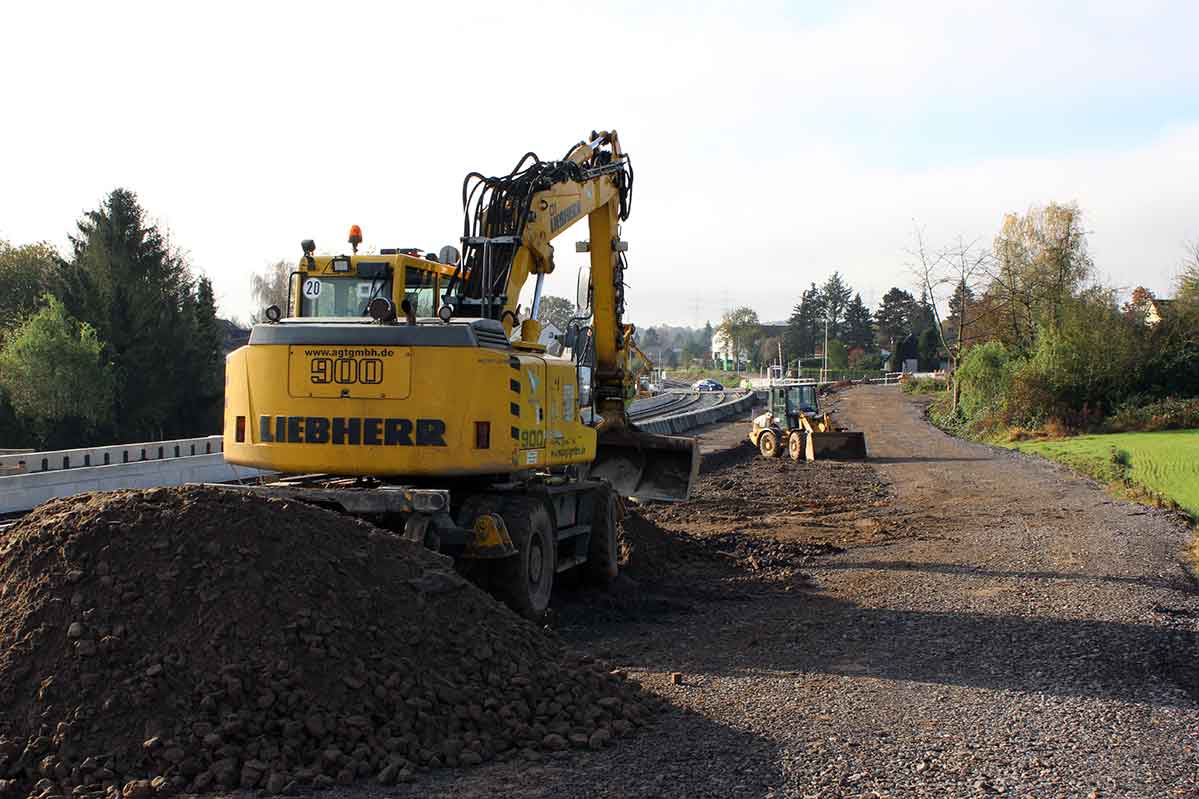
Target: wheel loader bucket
(646, 465)
(842, 445)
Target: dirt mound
(763, 517)
(199, 639)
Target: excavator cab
(343, 286)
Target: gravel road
(991, 626)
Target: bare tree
(269, 287)
(954, 272)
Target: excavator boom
(509, 224)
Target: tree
(805, 327)
(55, 376)
(201, 365)
(838, 355)
(892, 320)
(859, 326)
(741, 330)
(1137, 307)
(1040, 262)
(26, 273)
(127, 281)
(835, 295)
(929, 345)
(269, 287)
(557, 311)
(962, 300)
(1188, 279)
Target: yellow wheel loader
(794, 423)
(402, 387)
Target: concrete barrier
(23, 492)
(681, 423)
(29, 462)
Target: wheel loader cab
(790, 402)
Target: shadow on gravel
(1180, 584)
(722, 458)
(922, 459)
(685, 755)
(811, 633)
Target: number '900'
(346, 371)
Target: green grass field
(1166, 463)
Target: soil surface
(948, 620)
(198, 639)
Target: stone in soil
(196, 639)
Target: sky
(773, 142)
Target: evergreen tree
(859, 326)
(835, 295)
(126, 281)
(929, 346)
(893, 319)
(955, 302)
(805, 327)
(922, 317)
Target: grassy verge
(925, 385)
(1159, 469)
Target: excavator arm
(508, 228)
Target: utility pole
(824, 370)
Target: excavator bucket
(646, 465)
(840, 445)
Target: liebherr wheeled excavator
(406, 388)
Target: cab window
(328, 295)
(420, 288)
(801, 399)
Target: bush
(54, 374)
(1081, 369)
(985, 379)
(925, 385)
(1137, 415)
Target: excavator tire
(768, 444)
(795, 445)
(525, 582)
(603, 554)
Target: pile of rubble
(196, 639)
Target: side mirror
(449, 255)
(583, 291)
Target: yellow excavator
(644, 369)
(403, 386)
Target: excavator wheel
(526, 581)
(768, 444)
(603, 553)
(795, 445)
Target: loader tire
(795, 445)
(603, 553)
(768, 444)
(525, 582)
